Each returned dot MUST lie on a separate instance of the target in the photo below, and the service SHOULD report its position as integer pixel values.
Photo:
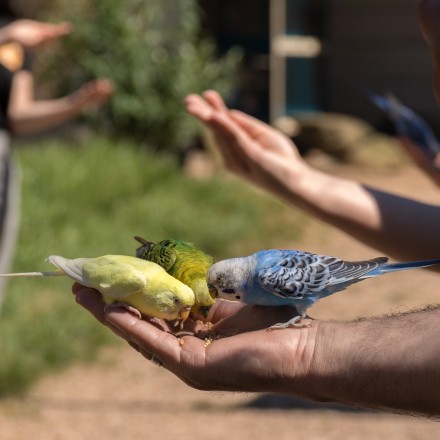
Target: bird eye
(176, 300)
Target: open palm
(244, 357)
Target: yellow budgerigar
(143, 286)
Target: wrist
(355, 362)
(305, 187)
(332, 362)
(297, 373)
(77, 101)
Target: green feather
(184, 261)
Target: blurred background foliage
(154, 53)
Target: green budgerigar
(141, 286)
(184, 261)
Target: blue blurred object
(407, 123)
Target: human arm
(33, 34)
(267, 158)
(26, 115)
(357, 363)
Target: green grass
(90, 200)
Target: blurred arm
(27, 115)
(397, 226)
(33, 34)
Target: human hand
(250, 148)
(246, 357)
(95, 92)
(357, 363)
(34, 34)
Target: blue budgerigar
(408, 123)
(289, 277)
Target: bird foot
(179, 323)
(118, 304)
(294, 322)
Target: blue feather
(289, 277)
(407, 122)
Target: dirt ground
(121, 396)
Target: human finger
(231, 140)
(149, 339)
(215, 100)
(236, 145)
(58, 30)
(222, 309)
(253, 126)
(198, 107)
(91, 300)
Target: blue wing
(297, 275)
(407, 122)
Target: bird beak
(184, 313)
(212, 291)
(204, 310)
(145, 246)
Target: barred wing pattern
(300, 274)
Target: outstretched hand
(250, 148)
(95, 92)
(33, 34)
(243, 356)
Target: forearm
(378, 219)
(386, 363)
(43, 115)
(26, 115)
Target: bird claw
(179, 323)
(294, 322)
(118, 304)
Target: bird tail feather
(72, 268)
(64, 266)
(393, 267)
(32, 274)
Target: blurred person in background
(22, 114)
